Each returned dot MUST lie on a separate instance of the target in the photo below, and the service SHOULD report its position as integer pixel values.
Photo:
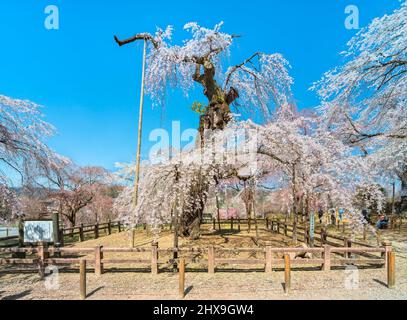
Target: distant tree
(364, 101)
(101, 207)
(368, 197)
(23, 151)
(74, 188)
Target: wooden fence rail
(215, 256)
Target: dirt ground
(243, 283)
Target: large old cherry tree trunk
(216, 117)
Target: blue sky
(89, 87)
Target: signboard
(312, 225)
(38, 231)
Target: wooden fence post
(154, 258)
(21, 233)
(81, 235)
(231, 223)
(287, 273)
(387, 248)
(119, 227)
(327, 258)
(345, 245)
(267, 223)
(42, 255)
(269, 268)
(132, 236)
(182, 278)
(378, 237)
(96, 231)
(323, 236)
(98, 260)
(211, 260)
(349, 245)
(109, 228)
(238, 224)
(391, 270)
(61, 236)
(82, 279)
(214, 223)
(285, 230)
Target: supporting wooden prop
(211, 260)
(181, 278)
(323, 235)
(61, 237)
(55, 226)
(132, 236)
(327, 258)
(20, 255)
(378, 237)
(269, 257)
(391, 270)
(98, 261)
(287, 273)
(82, 279)
(109, 228)
(81, 234)
(154, 258)
(96, 231)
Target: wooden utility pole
(176, 222)
(140, 127)
(140, 130)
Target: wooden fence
(95, 229)
(215, 256)
(321, 236)
(235, 223)
(81, 231)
